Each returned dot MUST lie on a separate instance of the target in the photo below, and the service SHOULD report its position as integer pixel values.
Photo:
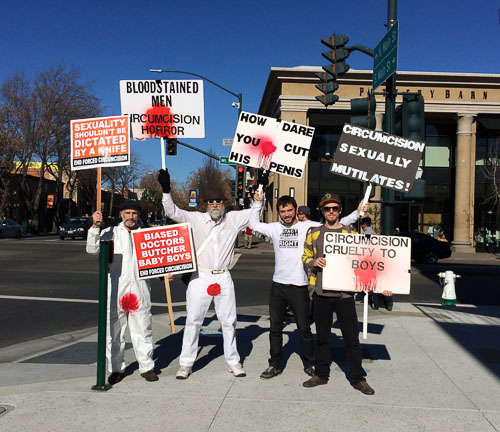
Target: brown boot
(364, 388)
(314, 381)
(150, 375)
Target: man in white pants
(129, 299)
(214, 235)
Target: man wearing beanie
(129, 299)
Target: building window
(437, 152)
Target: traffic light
(171, 146)
(398, 121)
(328, 86)
(240, 182)
(363, 112)
(413, 116)
(233, 188)
(337, 55)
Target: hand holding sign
(262, 179)
(96, 219)
(164, 180)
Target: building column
(464, 188)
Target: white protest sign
(158, 108)
(100, 142)
(355, 262)
(377, 157)
(278, 146)
(162, 250)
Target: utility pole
(390, 107)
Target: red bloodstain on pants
(214, 289)
(129, 302)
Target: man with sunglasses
(289, 285)
(214, 233)
(326, 302)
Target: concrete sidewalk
(432, 368)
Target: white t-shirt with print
(288, 242)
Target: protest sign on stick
(163, 108)
(100, 142)
(377, 157)
(164, 250)
(274, 145)
(355, 262)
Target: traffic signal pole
(390, 108)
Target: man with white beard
(214, 233)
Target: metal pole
(102, 318)
(390, 107)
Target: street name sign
(385, 56)
(228, 142)
(224, 160)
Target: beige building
(462, 116)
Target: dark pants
(323, 309)
(377, 299)
(297, 298)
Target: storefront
(462, 115)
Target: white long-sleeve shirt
(218, 253)
(288, 243)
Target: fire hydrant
(447, 280)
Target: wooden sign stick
(169, 304)
(98, 197)
(365, 316)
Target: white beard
(216, 214)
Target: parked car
(75, 227)
(156, 223)
(426, 249)
(9, 228)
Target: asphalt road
(49, 286)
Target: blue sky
(234, 44)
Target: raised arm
(171, 210)
(93, 234)
(254, 223)
(354, 216)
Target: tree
(151, 194)
(38, 116)
(121, 178)
(208, 176)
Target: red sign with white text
(162, 250)
(100, 142)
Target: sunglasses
(219, 201)
(332, 208)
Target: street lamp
(238, 95)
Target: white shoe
(183, 372)
(237, 370)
